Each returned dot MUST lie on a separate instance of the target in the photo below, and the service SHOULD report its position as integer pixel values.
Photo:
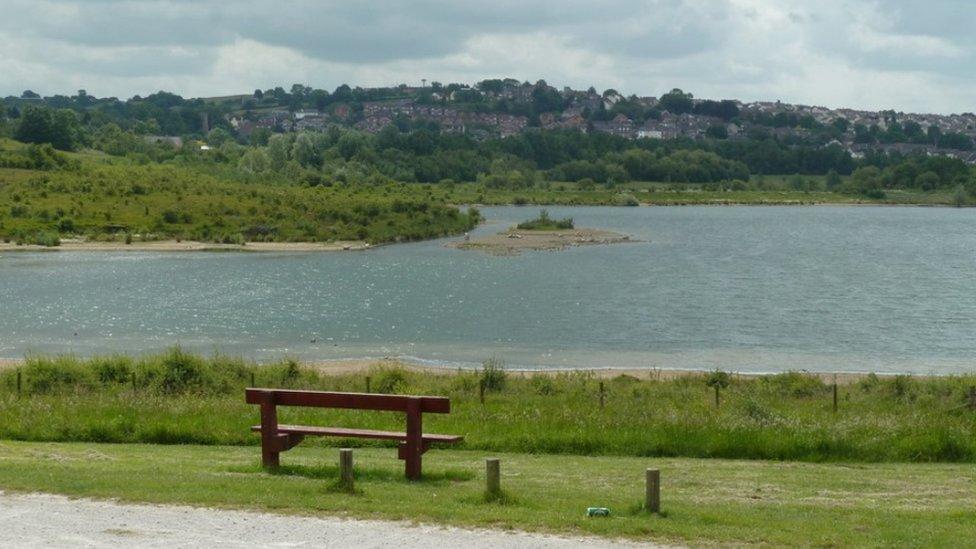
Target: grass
(185, 399)
(703, 501)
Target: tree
(927, 181)
(40, 125)
(28, 94)
(833, 180)
(218, 136)
(677, 102)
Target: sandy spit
(514, 241)
(190, 246)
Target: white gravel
(42, 520)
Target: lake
(752, 289)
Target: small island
(542, 233)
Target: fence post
(252, 380)
(481, 391)
(345, 469)
(716, 395)
(133, 381)
(652, 491)
(835, 397)
(972, 398)
(18, 382)
(367, 385)
(601, 395)
(493, 477)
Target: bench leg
(413, 447)
(269, 433)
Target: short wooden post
(716, 395)
(601, 395)
(493, 479)
(652, 491)
(367, 385)
(18, 382)
(252, 380)
(481, 391)
(345, 469)
(133, 382)
(972, 398)
(835, 397)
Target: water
(739, 288)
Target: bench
(277, 438)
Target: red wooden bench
(277, 438)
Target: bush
(625, 199)
(545, 223)
(46, 238)
(493, 374)
(181, 372)
(390, 380)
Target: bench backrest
(358, 401)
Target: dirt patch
(515, 241)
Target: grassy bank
(703, 501)
(181, 398)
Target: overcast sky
(901, 54)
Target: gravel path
(41, 520)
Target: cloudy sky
(901, 54)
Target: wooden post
(652, 491)
(972, 398)
(345, 469)
(481, 391)
(835, 397)
(716, 395)
(133, 382)
(601, 395)
(18, 382)
(493, 478)
(367, 385)
(413, 448)
(252, 380)
(269, 432)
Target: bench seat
(307, 430)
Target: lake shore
(338, 367)
(69, 245)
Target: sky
(913, 56)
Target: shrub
(46, 238)
(390, 380)
(718, 379)
(625, 199)
(546, 223)
(493, 374)
(181, 372)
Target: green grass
(180, 398)
(703, 501)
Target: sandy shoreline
(364, 365)
(189, 246)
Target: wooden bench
(277, 438)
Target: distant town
(502, 108)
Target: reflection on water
(743, 288)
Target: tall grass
(183, 398)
